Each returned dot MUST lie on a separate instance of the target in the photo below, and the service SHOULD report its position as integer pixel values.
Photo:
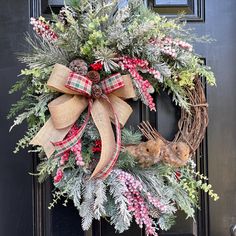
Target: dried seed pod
(96, 91)
(62, 16)
(94, 76)
(79, 66)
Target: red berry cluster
(59, 175)
(96, 66)
(133, 65)
(43, 29)
(177, 175)
(76, 149)
(97, 146)
(137, 203)
(169, 46)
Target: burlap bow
(66, 109)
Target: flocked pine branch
(75, 190)
(100, 199)
(131, 136)
(43, 53)
(87, 206)
(121, 217)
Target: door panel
(220, 23)
(194, 9)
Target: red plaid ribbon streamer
(68, 143)
(107, 169)
(79, 83)
(112, 83)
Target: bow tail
(104, 110)
(103, 173)
(102, 121)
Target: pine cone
(62, 17)
(96, 91)
(79, 66)
(94, 76)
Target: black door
(15, 182)
(216, 157)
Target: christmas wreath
(82, 67)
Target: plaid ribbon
(112, 83)
(107, 169)
(68, 143)
(83, 85)
(79, 83)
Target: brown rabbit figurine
(175, 154)
(156, 149)
(146, 153)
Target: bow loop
(112, 83)
(79, 84)
(58, 79)
(63, 112)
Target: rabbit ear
(149, 132)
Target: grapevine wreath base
(192, 125)
(83, 67)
